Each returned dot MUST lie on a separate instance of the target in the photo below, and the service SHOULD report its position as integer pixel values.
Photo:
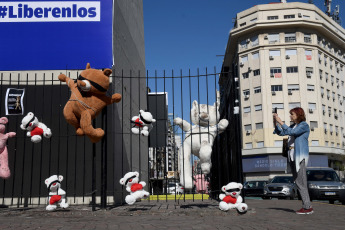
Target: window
(291, 52)
(294, 105)
(312, 106)
(259, 125)
(278, 143)
(245, 75)
(314, 143)
(246, 92)
(260, 144)
(290, 37)
(255, 40)
(244, 44)
(308, 54)
(257, 89)
(249, 145)
(243, 24)
(256, 72)
(320, 73)
(309, 71)
(275, 88)
(307, 38)
(274, 52)
(246, 109)
(253, 20)
(289, 16)
(293, 87)
(292, 69)
(244, 58)
(272, 17)
(326, 76)
(248, 127)
(311, 87)
(306, 16)
(278, 105)
(273, 38)
(331, 128)
(255, 55)
(258, 107)
(325, 126)
(326, 143)
(313, 124)
(323, 109)
(276, 72)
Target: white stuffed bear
(144, 120)
(35, 128)
(134, 187)
(56, 194)
(232, 199)
(199, 138)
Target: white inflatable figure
(35, 128)
(199, 138)
(232, 199)
(134, 187)
(143, 121)
(56, 194)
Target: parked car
(175, 188)
(255, 188)
(281, 187)
(324, 184)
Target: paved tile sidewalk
(262, 214)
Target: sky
(184, 35)
(189, 34)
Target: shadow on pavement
(284, 209)
(197, 205)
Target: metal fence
(92, 171)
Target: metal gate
(92, 171)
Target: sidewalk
(262, 214)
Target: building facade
(284, 56)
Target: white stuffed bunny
(199, 139)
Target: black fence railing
(92, 171)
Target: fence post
(104, 161)
(93, 173)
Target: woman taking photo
(298, 153)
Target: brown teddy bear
(87, 100)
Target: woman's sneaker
(305, 211)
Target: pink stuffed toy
(4, 170)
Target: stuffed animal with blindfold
(232, 199)
(142, 123)
(87, 100)
(35, 129)
(56, 194)
(134, 187)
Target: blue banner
(55, 35)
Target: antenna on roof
(283, 1)
(335, 14)
(310, 1)
(328, 6)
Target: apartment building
(287, 55)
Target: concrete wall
(129, 69)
